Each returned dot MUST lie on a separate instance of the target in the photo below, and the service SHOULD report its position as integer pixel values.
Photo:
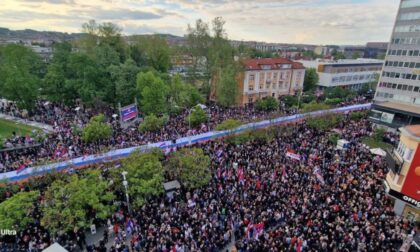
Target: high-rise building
(397, 98)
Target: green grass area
(373, 143)
(7, 127)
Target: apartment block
(397, 98)
(269, 77)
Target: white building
(348, 73)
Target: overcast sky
(288, 21)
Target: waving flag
(292, 154)
(130, 226)
(129, 112)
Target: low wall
(120, 153)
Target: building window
(251, 77)
(251, 88)
(410, 3)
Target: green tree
(152, 123)
(290, 101)
(323, 123)
(228, 124)
(153, 51)
(21, 71)
(311, 79)
(124, 78)
(191, 167)
(154, 97)
(144, 176)
(105, 34)
(227, 88)
(76, 201)
(313, 106)
(152, 93)
(338, 92)
(267, 104)
(182, 94)
(97, 129)
(197, 117)
(56, 85)
(15, 212)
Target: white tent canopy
(55, 248)
(378, 151)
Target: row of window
(398, 97)
(352, 78)
(404, 152)
(396, 75)
(282, 85)
(410, 16)
(402, 64)
(407, 28)
(401, 52)
(402, 87)
(267, 77)
(406, 41)
(353, 69)
(410, 4)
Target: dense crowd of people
(21, 151)
(260, 199)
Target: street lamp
(125, 183)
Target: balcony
(394, 162)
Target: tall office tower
(397, 98)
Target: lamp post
(125, 183)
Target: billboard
(411, 185)
(129, 112)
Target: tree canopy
(16, 211)
(21, 71)
(97, 129)
(74, 202)
(191, 167)
(144, 176)
(311, 79)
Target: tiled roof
(255, 64)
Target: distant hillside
(28, 34)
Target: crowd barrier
(14, 176)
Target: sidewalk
(43, 126)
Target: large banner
(129, 112)
(184, 141)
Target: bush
(197, 117)
(379, 134)
(308, 98)
(191, 167)
(152, 123)
(97, 129)
(313, 106)
(357, 115)
(240, 139)
(290, 101)
(338, 92)
(324, 122)
(228, 124)
(333, 101)
(267, 104)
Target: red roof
(255, 64)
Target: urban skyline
(301, 21)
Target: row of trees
(102, 68)
(74, 202)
